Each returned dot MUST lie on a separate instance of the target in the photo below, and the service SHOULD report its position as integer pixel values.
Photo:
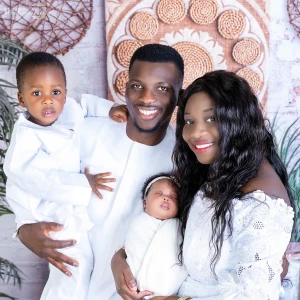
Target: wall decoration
(209, 34)
(294, 14)
(54, 26)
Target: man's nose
(148, 97)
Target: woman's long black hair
(244, 141)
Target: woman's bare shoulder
(267, 181)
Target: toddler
(153, 239)
(42, 164)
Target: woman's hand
(36, 238)
(125, 282)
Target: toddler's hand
(119, 113)
(97, 182)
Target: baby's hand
(119, 113)
(96, 182)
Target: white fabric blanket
(152, 248)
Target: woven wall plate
(143, 25)
(125, 50)
(121, 82)
(197, 61)
(231, 24)
(42, 26)
(203, 11)
(293, 7)
(246, 52)
(192, 27)
(171, 11)
(252, 77)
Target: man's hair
(157, 53)
(36, 59)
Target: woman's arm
(125, 282)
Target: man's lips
(48, 112)
(147, 113)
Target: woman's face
(200, 131)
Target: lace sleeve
(261, 233)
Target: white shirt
(107, 148)
(42, 164)
(250, 263)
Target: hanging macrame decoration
(46, 25)
(294, 14)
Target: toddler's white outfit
(45, 184)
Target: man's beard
(151, 130)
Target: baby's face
(161, 201)
(43, 93)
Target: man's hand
(119, 113)
(125, 283)
(36, 238)
(97, 182)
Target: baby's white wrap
(152, 248)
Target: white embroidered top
(250, 262)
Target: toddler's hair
(36, 59)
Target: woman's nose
(199, 131)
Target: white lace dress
(250, 263)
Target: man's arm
(36, 238)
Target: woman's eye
(211, 119)
(188, 122)
(56, 92)
(37, 93)
(162, 88)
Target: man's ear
(144, 204)
(21, 99)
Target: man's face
(151, 94)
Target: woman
(236, 218)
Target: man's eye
(162, 88)
(37, 93)
(56, 92)
(211, 119)
(189, 122)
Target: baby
(153, 239)
(42, 164)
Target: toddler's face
(43, 93)
(161, 201)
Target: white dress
(107, 148)
(250, 263)
(152, 249)
(44, 184)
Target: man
(131, 152)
